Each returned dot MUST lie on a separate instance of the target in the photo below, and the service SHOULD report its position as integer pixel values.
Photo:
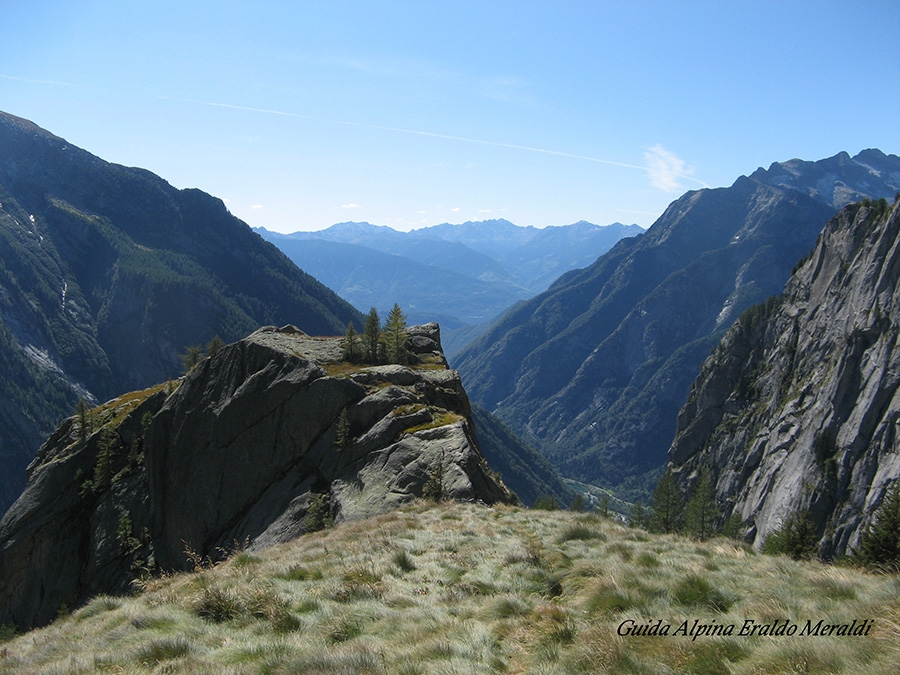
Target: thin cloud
(666, 169)
(498, 87)
(663, 167)
(25, 79)
(256, 206)
(350, 206)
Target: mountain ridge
(108, 274)
(481, 268)
(577, 370)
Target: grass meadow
(464, 589)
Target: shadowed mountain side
(525, 471)
(108, 274)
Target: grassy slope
(469, 589)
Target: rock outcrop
(797, 410)
(268, 438)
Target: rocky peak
(796, 411)
(839, 180)
(268, 438)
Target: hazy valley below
(463, 276)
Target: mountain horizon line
(486, 221)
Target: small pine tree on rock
(84, 421)
(352, 351)
(372, 337)
(395, 336)
(434, 489)
(214, 345)
(191, 358)
(343, 438)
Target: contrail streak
(25, 79)
(432, 134)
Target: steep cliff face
(268, 438)
(797, 410)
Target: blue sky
(304, 114)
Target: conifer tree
(700, 512)
(879, 547)
(191, 358)
(577, 504)
(214, 345)
(666, 507)
(395, 336)
(639, 516)
(372, 336)
(343, 438)
(546, 503)
(796, 537)
(84, 420)
(351, 349)
(433, 488)
(603, 508)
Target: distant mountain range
(594, 370)
(461, 275)
(108, 274)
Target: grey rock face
(797, 409)
(246, 448)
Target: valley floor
(457, 588)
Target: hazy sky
(304, 114)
